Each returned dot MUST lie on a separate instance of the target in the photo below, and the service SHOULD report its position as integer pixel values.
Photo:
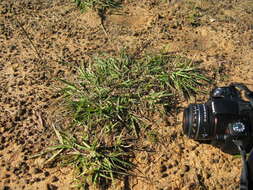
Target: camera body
(223, 118)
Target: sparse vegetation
(194, 17)
(93, 161)
(43, 40)
(109, 103)
(153, 136)
(97, 4)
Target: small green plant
(194, 17)
(97, 4)
(109, 102)
(93, 161)
(153, 136)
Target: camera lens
(195, 122)
(186, 121)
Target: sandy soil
(42, 40)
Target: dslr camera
(226, 117)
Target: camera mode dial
(237, 129)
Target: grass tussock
(97, 4)
(109, 103)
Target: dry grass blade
(58, 135)
(53, 157)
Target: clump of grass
(109, 102)
(111, 92)
(179, 74)
(194, 17)
(97, 4)
(93, 161)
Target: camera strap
(244, 179)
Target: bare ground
(43, 39)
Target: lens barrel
(196, 122)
